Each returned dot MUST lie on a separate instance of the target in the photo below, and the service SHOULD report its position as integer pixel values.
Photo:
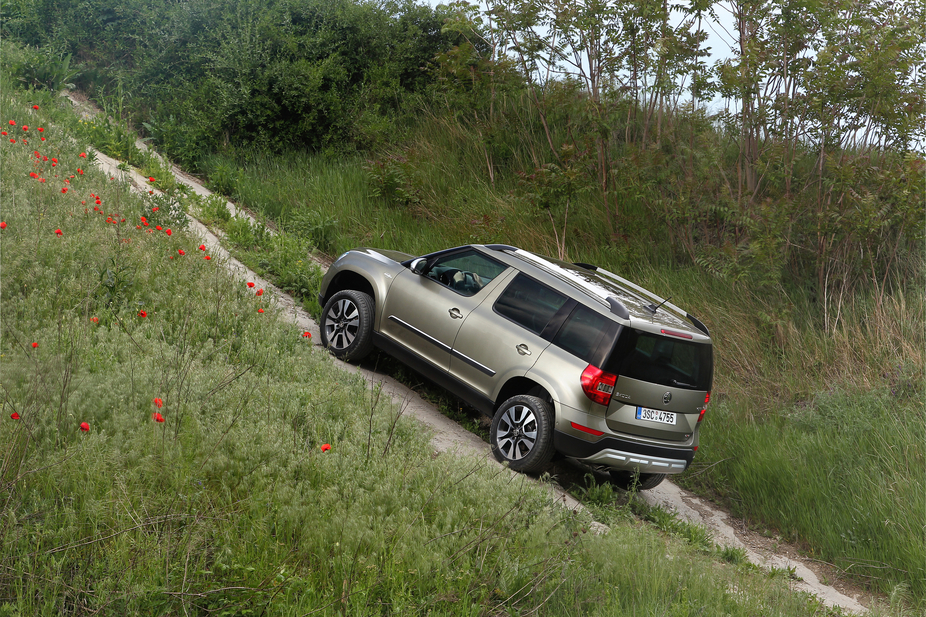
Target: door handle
(523, 350)
(455, 313)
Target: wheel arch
(522, 385)
(349, 279)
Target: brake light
(707, 398)
(701, 415)
(598, 385)
(674, 333)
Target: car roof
(612, 294)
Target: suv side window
(466, 272)
(583, 333)
(529, 303)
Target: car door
(504, 336)
(424, 310)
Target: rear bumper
(623, 454)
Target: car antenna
(652, 309)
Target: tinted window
(583, 331)
(664, 360)
(529, 303)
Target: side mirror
(418, 265)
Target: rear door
(505, 335)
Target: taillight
(707, 399)
(598, 385)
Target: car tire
(630, 481)
(347, 325)
(522, 433)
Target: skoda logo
(667, 397)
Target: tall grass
(231, 505)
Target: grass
(231, 506)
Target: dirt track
(450, 437)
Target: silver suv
(565, 358)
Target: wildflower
(326, 447)
(35, 107)
(43, 139)
(82, 155)
(14, 416)
(64, 189)
(41, 130)
(167, 231)
(208, 258)
(157, 417)
(2, 224)
(12, 141)
(58, 232)
(202, 247)
(306, 334)
(12, 122)
(32, 174)
(95, 319)
(34, 345)
(250, 284)
(25, 128)
(158, 227)
(142, 314)
(80, 171)
(260, 310)
(260, 292)
(3, 133)
(158, 403)
(181, 251)
(84, 427)
(155, 209)
(98, 202)
(151, 179)
(144, 220)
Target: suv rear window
(662, 360)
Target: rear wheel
(347, 325)
(631, 481)
(522, 433)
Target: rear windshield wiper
(681, 384)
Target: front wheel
(629, 480)
(522, 433)
(347, 325)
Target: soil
(763, 548)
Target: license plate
(654, 415)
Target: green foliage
(44, 69)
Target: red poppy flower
(64, 189)
(181, 251)
(41, 130)
(138, 227)
(32, 174)
(2, 224)
(95, 319)
(167, 231)
(260, 292)
(82, 155)
(155, 209)
(43, 139)
(157, 417)
(326, 447)
(151, 179)
(25, 128)
(98, 202)
(158, 227)
(250, 284)
(142, 314)
(54, 160)
(12, 122)
(12, 141)
(14, 416)
(84, 427)
(42, 180)
(208, 258)
(34, 345)
(80, 171)
(35, 107)
(3, 133)
(306, 335)
(202, 247)
(158, 403)
(151, 192)
(58, 232)
(260, 310)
